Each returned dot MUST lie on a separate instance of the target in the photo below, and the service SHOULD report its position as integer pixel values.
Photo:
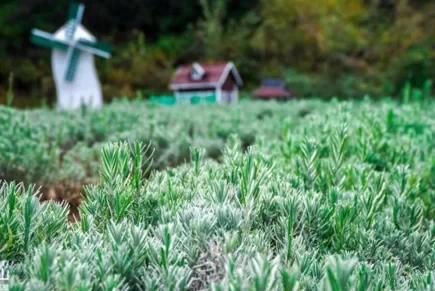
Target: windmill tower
(72, 61)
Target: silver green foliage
(341, 199)
(43, 146)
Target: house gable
(230, 69)
(230, 83)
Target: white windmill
(72, 61)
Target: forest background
(322, 48)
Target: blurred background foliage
(322, 48)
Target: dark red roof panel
(270, 92)
(213, 73)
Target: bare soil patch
(69, 191)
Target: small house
(218, 82)
(275, 89)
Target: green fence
(163, 99)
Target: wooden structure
(272, 89)
(218, 82)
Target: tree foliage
(323, 48)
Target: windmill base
(83, 90)
(72, 102)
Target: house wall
(185, 96)
(218, 95)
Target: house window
(197, 72)
(195, 75)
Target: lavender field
(303, 195)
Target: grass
(306, 195)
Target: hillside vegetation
(322, 48)
(305, 195)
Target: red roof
(271, 92)
(213, 75)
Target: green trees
(323, 48)
(358, 47)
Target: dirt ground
(65, 191)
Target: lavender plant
(341, 200)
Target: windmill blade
(74, 19)
(72, 63)
(45, 39)
(97, 48)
